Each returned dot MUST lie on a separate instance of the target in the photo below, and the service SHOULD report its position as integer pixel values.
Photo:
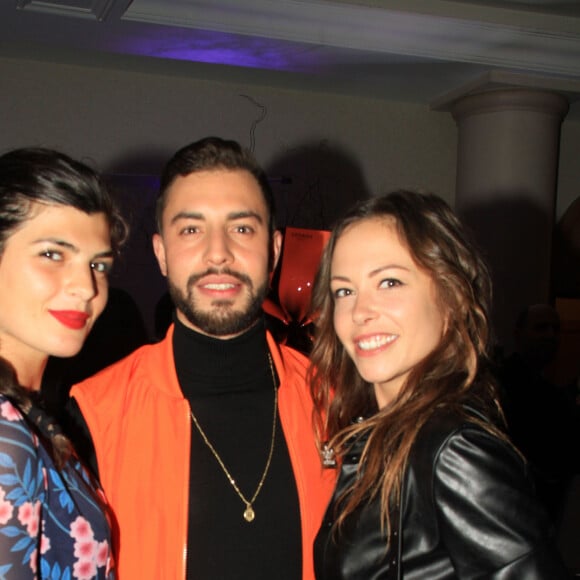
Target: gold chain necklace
(249, 513)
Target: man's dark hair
(206, 155)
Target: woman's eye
(390, 283)
(53, 255)
(341, 293)
(101, 267)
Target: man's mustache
(195, 278)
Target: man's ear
(159, 250)
(276, 248)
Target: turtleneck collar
(211, 366)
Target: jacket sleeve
(490, 521)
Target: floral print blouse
(52, 523)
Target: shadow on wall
(134, 181)
(314, 184)
(566, 254)
(146, 162)
(515, 238)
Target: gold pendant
(249, 514)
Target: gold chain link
(249, 513)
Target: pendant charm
(249, 514)
(328, 459)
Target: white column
(507, 164)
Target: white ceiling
(421, 51)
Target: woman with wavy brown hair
(429, 484)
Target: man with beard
(204, 440)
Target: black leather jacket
(468, 512)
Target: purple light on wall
(222, 48)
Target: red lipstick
(74, 319)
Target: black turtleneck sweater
(230, 388)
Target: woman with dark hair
(59, 232)
(429, 486)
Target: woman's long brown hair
(440, 247)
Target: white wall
(332, 148)
(116, 116)
(126, 120)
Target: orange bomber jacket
(140, 426)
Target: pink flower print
(44, 544)
(10, 412)
(29, 516)
(85, 569)
(33, 561)
(33, 527)
(6, 508)
(102, 553)
(81, 530)
(85, 549)
(25, 513)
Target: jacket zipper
(186, 496)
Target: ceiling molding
(347, 26)
(419, 51)
(93, 9)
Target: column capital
(498, 100)
(499, 90)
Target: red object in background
(301, 253)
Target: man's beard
(220, 319)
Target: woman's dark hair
(43, 176)
(35, 176)
(440, 246)
(208, 154)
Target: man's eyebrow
(237, 215)
(186, 215)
